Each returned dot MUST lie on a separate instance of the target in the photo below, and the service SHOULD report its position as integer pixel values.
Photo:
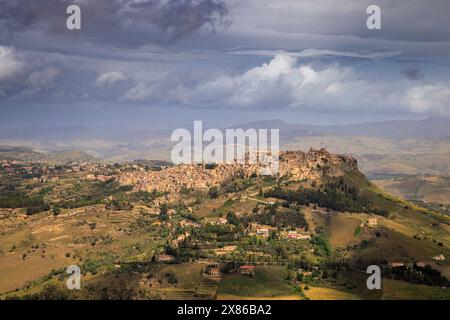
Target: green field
(269, 281)
(400, 290)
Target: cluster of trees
(119, 204)
(114, 290)
(221, 233)
(233, 219)
(32, 204)
(20, 200)
(96, 194)
(236, 184)
(322, 247)
(171, 277)
(38, 205)
(419, 275)
(286, 218)
(184, 253)
(331, 196)
(108, 188)
(145, 196)
(82, 202)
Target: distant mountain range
(430, 128)
(28, 154)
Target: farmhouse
(222, 221)
(165, 258)
(247, 270)
(396, 264)
(372, 222)
(441, 257)
(263, 232)
(188, 223)
(297, 236)
(305, 273)
(213, 271)
(420, 264)
(176, 242)
(292, 234)
(225, 250)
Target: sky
(165, 63)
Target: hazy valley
(397, 147)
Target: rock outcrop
(315, 164)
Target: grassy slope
(394, 289)
(427, 188)
(267, 282)
(412, 217)
(320, 293)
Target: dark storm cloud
(43, 78)
(413, 20)
(414, 27)
(116, 22)
(413, 74)
(296, 54)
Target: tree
(232, 219)
(210, 166)
(282, 251)
(273, 235)
(213, 193)
(163, 209)
(56, 210)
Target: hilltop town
(312, 165)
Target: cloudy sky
(159, 63)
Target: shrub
(213, 193)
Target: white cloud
(110, 78)
(9, 64)
(314, 53)
(258, 87)
(41, 78)
(428, 98)
(283, 82)
(140, 91)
